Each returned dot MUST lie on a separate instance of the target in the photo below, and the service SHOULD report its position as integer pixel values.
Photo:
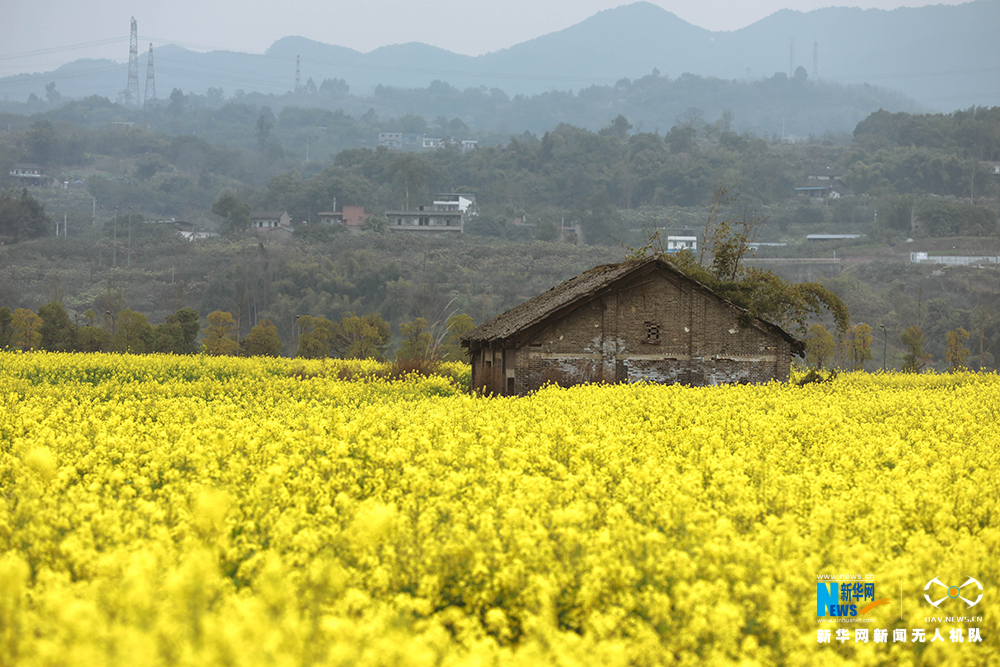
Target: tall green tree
(93, 339)
(22, 216)
(820, 346)
(220, 334)
(315, 336)
(860, 345)
(417, 340)
(618, 128)
(410, 172)
(364, 337)
(178, 100)
(24, 330)
(600, 220)
(168, 338)
(262, 341)
(6, 329)
(956, 353)
(57, 331)
(187, 319)
(42, 141)
(915, 359)
(263, 133)
(133, 333)
(236, 212)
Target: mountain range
(941, 56)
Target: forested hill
(942, 56)
(330, 119)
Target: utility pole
(885, 339)
(129, 260)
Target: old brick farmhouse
(638, 320)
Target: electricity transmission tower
(132, 91)
(150, 97)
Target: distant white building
(456, 201)
(194, 236)
(824, 184)
(272, 223)
(952, 260)
(832, 237)
(678, 243)
(30, 174)
(402, 141)
(428, 219)
(391, 140)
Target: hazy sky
(40, 35)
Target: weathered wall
(488, 371)
(658, 328)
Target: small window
(510, 385)
(652, 333)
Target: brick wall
(658, 327)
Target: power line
(61, 49)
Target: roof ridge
(538, 308)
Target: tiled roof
(587, 285)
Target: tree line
(852, 351)
(942, 154)
(331, 118)
(126, 331)
(568, 172)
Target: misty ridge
(855, 61)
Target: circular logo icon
(953, 592)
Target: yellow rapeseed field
(214, 511)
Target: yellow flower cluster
(217, 511)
